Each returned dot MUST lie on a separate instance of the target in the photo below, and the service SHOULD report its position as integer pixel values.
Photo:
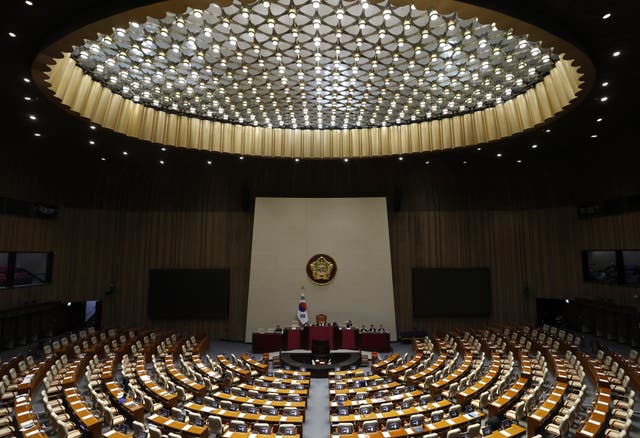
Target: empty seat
(370, 426)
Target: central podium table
(336, 337)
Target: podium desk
(293, 339)
(348, 338)
(375, 342)
(266, 342)
(320, 333)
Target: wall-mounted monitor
(600, 266)
(451, 292)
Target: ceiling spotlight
(604, 99)
(125, 153)
(616, 53)
(37, 134)
(12, 35)
(209, 162)
(499, 155)
(27, 98)
(594, 135)
(547, 130)
(400, 158)
(27, 80)
(427, 162)
(606, 16)
(103, 159)
(297, 160)
(534, 146)
(32, 117)
(346, 160)
(599, 119)
(163, 149)
(241, 157)
(464, 162)
(605, 84)
(91, 142)
(92, 127)
(519, 161)
(161, 162)
(478, 148)
(28, 2)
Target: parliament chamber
(319, 218)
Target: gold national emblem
(321, 269)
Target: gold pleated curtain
(81, 94)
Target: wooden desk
(509, 398)
(352, 391)
(116, 434)
(157, 392)
(268, 390)
(547, 409)
(171, 425)
(260, 401)
(203, 369)
(278, 380)
(381, 365)
(440, 428)
(377, 401)
(34, 376)
(292, 339)
(383, 416)
(414, 362)
(26, 419)
(228, 416)
(260, 367)
(511, 432)
(435, 366)
(240, 372)
(437, 387)
(187, 383)
(230, 434)
(129, 408)
(464, 397)
(598, 419)
(82, 413)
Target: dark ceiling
(65, 139)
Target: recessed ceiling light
(479, 149)
(37, 134)
(92, 127)
(594, 135)
(534, 146)
(12, 35)
(604, 99)
(241, 157)
(616, 53)
(28, 2)
(427, 162)
(92, 142)
(27, 80)
(163, 149)
(605, 84)
(464, 162)
(606, 16)
(547, 130)
(125, 153)
(346, 160)
(161, 162)
(27, 98)
(32, 117)
(599, 119)
(400, 158)
(297, 160)
(519, 161)
(209, 162)
(103, 159)
(498, 155)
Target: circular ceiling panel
(316, 65)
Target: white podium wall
(287, 232)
